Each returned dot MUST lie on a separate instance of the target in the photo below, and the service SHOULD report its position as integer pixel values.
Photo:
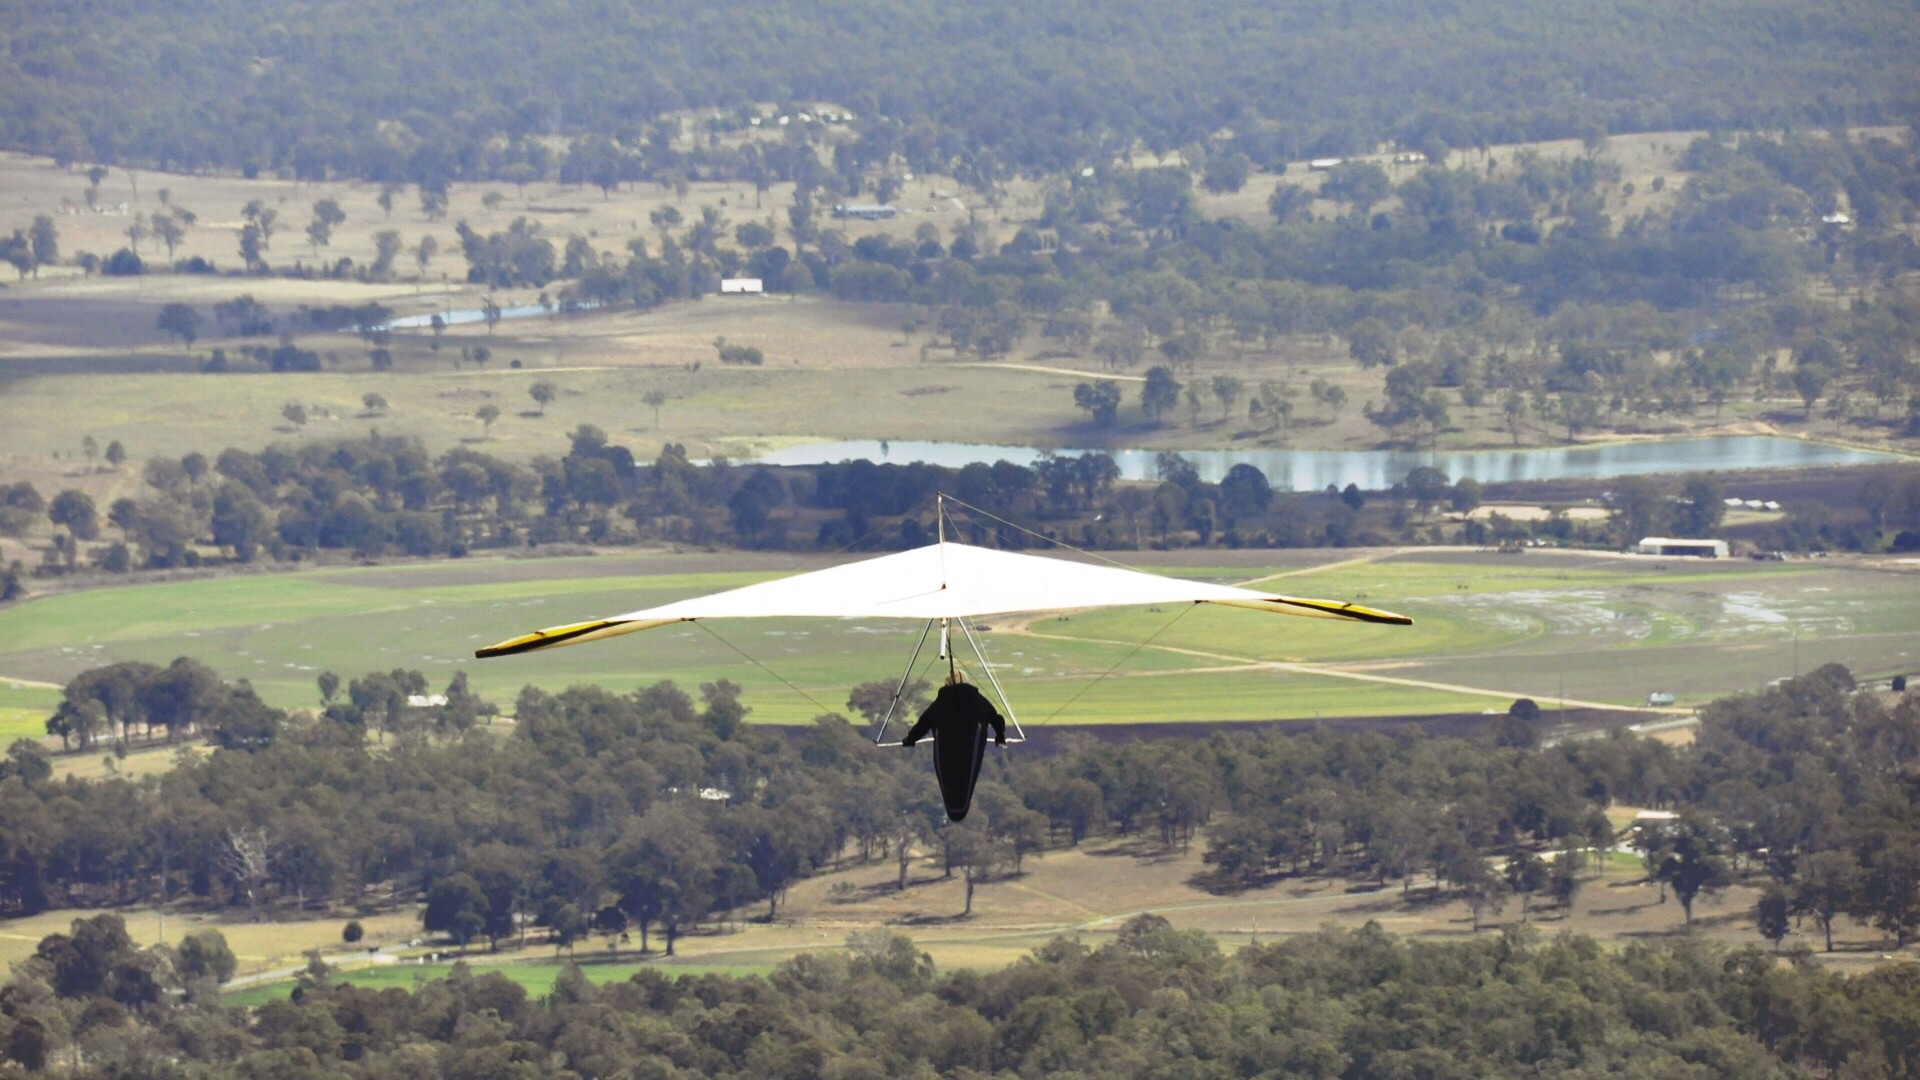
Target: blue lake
(1374, 470)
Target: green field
(1609, 630)
(24, 711)
(538, 978)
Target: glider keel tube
(571, 634)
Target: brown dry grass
(1090, 891)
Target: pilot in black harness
(958, 720)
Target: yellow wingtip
(1321, 609)
(571, 634)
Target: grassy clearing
(1613, 629)
(24, 711)
(536, 978)
(257, 946)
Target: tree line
(385, 495)
(652, 811)
(988, 92)
(1152, 1001)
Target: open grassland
(715, 410)
(1487, 628)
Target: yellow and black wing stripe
(1319, 609)
(570, 634)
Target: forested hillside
(417, 90)
(585, 821)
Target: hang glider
(940, 581)
(941, 584)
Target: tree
(1774, 914)
(74, 511)
(45, 241)
(1828, 884)
(1244, 491)
(374, 403)
(295, 413)
(1370, 343)
(1160, 392)
(1484, 891)
(655, 398)
(433, 200)
(1288, 201)
(1227, 390)
(179, 320)
(353, 932)
(1513, 411)
(456, 906)
(1526, 874)
(1101, 399)
(1564, 881)
(423, 253)
(663, 869)
(1694, 862)
(543, 393)
(169, 231)
(252, 246)
(329, 686)
(386, 246)
(1226, 173)
(487, 414)
(116, 454)
(205, 954)
(1809, 381)
(241, 522)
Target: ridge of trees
(987, 91)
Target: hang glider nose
(942, 581)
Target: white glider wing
(940, 581)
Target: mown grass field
(24, 710)
(1612, 630)
(538, 979)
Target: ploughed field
(1488, 628)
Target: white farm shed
(1666, 545)
(741, 285)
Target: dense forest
(605, 812)
(427, 91)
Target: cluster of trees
(1154, 1001)
(993, 90)
(605, 811)
(1809, 783)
